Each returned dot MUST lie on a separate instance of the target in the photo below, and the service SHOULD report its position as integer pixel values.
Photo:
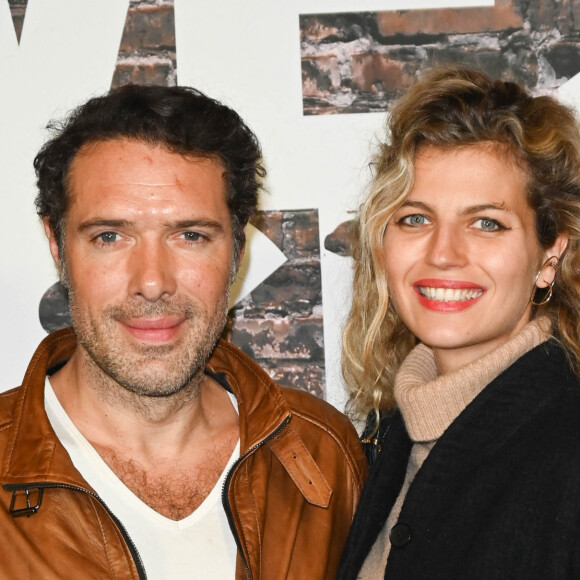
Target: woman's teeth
(450, 294)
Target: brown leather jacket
(290, 498)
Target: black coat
(498, 497)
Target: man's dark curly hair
(181, 119)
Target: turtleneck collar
(430, 403)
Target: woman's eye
(108, 237)
(415, 219)
(489, 225)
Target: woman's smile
(447, 295)
(448, 290)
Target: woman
(464, 338)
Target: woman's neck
(430, 401)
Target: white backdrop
(67, 53)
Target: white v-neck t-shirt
(200, 546)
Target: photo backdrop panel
(147, 54)
(360, 62)
(261, 58)
(279, 323)
(18, 12)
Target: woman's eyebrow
(484, 207)
(469, 210)
(416, 205)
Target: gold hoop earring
(546, 298)
(553, 262)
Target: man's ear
(238, 261)
(52, 243)
(242, 249)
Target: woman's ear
(552, 259)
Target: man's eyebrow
(176, 225)
(194, 223)
(103, 222)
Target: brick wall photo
(280, 323)
(360, 62)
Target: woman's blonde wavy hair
(457, 107)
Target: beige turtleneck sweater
(430, 403)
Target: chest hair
(172, 490)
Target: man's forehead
(132, 163)
(123, 147)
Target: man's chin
(151, 354)
(155, 385)
(155, 392)
(149, 372)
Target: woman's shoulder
(547, 361)
(543, 374)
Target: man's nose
(152, 271)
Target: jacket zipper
(226, 486)
(46, 485)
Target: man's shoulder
(315, 420)
(328, 434)
(309, 407)
(315, 410)
(8, 402)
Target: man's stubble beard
(147, 370)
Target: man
(135, 446)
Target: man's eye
(415, 219)
(108, 237)
(193, 236)
(489, 225)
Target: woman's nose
(446, 248)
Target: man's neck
(144, 439)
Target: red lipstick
(427, 297)
(443, 283)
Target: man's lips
(153, 323)
(161, 329)
(447, 295)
